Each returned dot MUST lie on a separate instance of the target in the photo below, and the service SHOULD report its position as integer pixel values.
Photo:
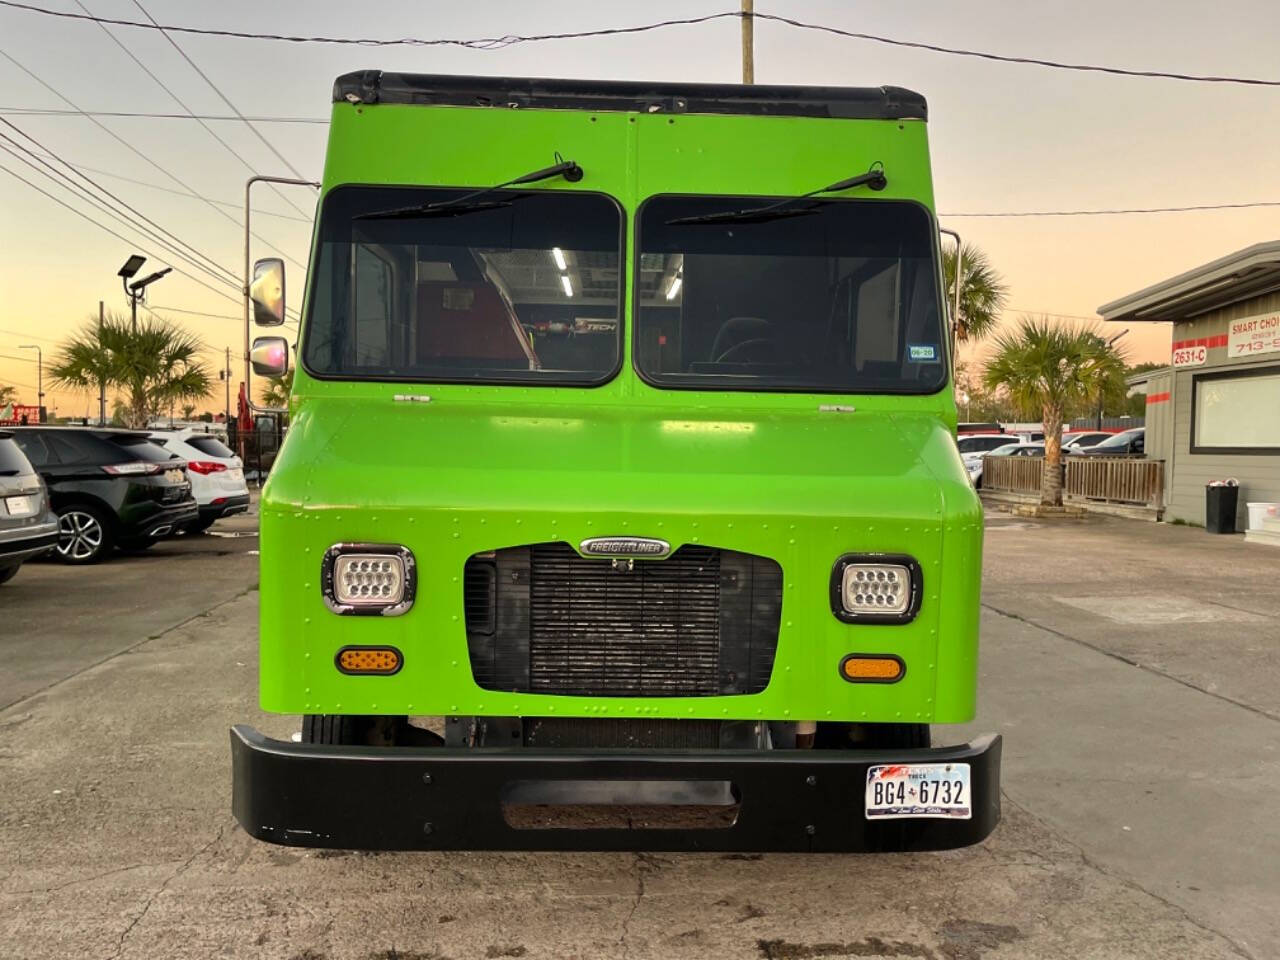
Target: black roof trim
(848, 103)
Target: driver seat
(738, 330)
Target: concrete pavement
(116, 838)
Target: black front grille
(544, 619)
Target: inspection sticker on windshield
(938, 790)
(922, 352)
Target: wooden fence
(1012, 474)
(1116, 480)
(1098, 479)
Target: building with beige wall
(1214, 412)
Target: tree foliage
(275, 392)
(1055, 369)
(982, 292)
(151, 366)
(8, 395)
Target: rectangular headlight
(368, 578)
(875, 588)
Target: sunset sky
(1005, 138)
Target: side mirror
(267, 292)
(270, 356)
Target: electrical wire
(121, 140)
(499, 43)
(179, 101)
(50, 112)
(190, 254)
(234, 109)
(1194, 208)
(104, 227)
(177, 193)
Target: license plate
(937, 790)
(175, 476)
(23, 506)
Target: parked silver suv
(28, 528)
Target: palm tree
(982, 292)
(154, 365)
(8, 395)
(275, 392)
(188, 411)
(1052, 368)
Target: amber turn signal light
(369, 660)
(872, 668)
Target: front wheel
(6, 573)
(84, 534)
(346, 730)
(872, 736)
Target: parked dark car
(28, 527)
(1129, 443)
(109, 488)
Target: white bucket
(1259, 510)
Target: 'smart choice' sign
(1252, 336)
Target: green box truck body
(640, 473)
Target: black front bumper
(442, 798)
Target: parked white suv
(974, 446)
(216, 474)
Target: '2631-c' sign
(1251, 336)
(1192, 356)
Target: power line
(50, 112)
(32, 336)
(118, 236)
(178, 100)
(177, 193)
(181, 244)
(234, 109)
(1119, 212)
(499, 43)
(119, 139)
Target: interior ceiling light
(568, 287)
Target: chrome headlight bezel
(915, 586)
(371, 608)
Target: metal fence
(1116, 480)
(257, 447)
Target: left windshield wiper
(873, 178)
(467, 202)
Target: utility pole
(102, 383)
(39, 379)
(225, 375)
(748, 42)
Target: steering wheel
(760, 349)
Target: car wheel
(201, 525)
(336, 729)
(6, 573)
(84, 534)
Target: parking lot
(1131, 667)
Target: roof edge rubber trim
(846, 103)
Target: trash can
(1220, 507)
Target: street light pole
(748, 42)
(39, 378)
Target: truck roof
(847, 103)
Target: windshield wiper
(467, 202)
(873, 178)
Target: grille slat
(544, 619)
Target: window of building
(1236, 412)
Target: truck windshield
(525, 289)
(838, 296)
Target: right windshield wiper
(467, 202)
(786, 207)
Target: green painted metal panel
(485, 467)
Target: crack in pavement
(182, 868)
(130, 648)
(642, 861)
(1238, 948)
(97, 876)
(1131, 662)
